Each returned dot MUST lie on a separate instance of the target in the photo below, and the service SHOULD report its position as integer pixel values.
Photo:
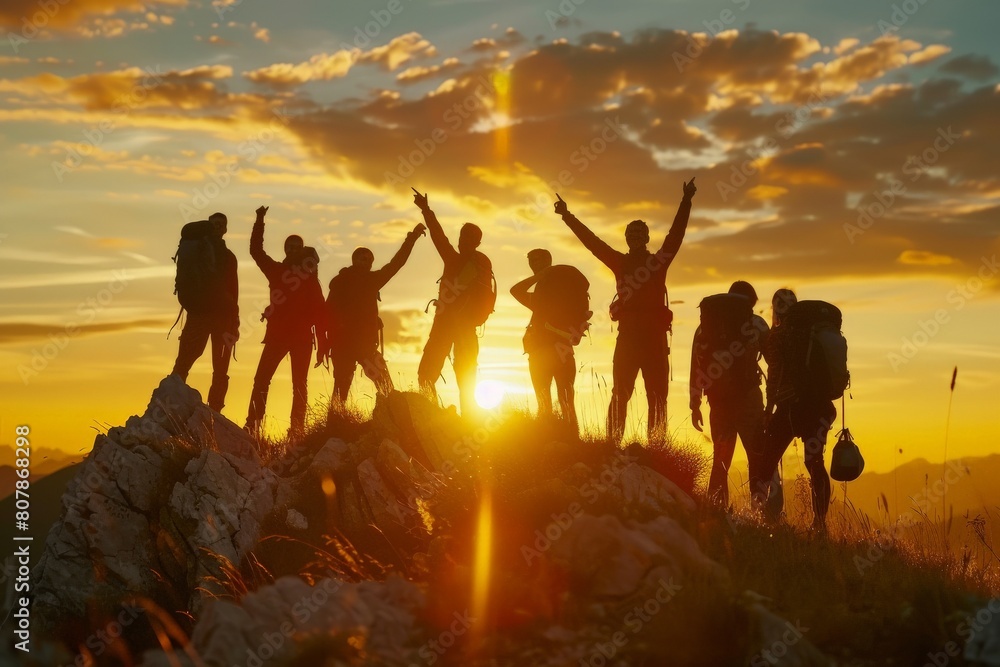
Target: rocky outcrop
(152, 509)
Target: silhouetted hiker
(798, 404)
(466, 297)
(296, 309)
(207, 287)
(724, 367)
(559, 307)
(642, 311)
(355, 327)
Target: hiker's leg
(343, 373)
(436, 350)
(192, 343)
(466, 360)
(625, 368)
(655, 366)
(817, 421)
(565, 375)
(776, 437)
(722, 424)
(222, 353)
(301, 355)
(540, 370)
(269, 359)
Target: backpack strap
(179, 312)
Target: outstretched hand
(261, 212)
(420, 199)
(419, 230)
(690, 189)
(561, 208)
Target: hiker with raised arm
(466, 297)
(725, 370)
(559, 305)
(207, 287)
(354, 323)
(641, 308)
(295, 317)
(806, 356)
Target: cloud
(22, 332)
(973, 66)
(62, 16)
(320, 67)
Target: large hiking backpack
(478, 286)
(562, 301)
(727, 347)
(816, 350)
(350, 307)
(199, 268)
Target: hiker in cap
(724, 368)
(559, 305)
(296, 315)
(641, 308)
(207, 287)
(799, 399)
(355, 328)
(466, 296)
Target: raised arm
(385, 274)
(521, 293)
(441, 242)
(265, 262)
(601, 250)
(672, 243)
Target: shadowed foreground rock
(168, 506)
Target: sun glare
(489, 394)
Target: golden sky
(848, 152)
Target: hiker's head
(293, 246)
(539, 259)
(743, 288)
(636, 235)
(220, 221)
(782, 300)
(363, 258)
(308, 260)
(469, 237)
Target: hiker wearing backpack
(724, 368)
(559, 307)
(806, 356)
(354, 324)
(466, 296)
(207, 287)
(641, 309)
(296, 314)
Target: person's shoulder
(760, 323)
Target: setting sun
(490, 394)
